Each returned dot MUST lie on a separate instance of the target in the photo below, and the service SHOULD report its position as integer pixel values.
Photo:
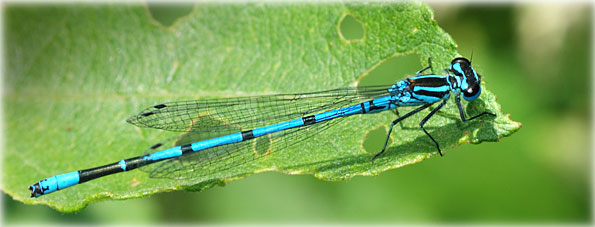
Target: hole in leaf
(351, 29)
(393, 70)
(262, 145)
(375, 140)
(167, 14)
(388, 73)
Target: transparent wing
(220, 116)
(209, 118)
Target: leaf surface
(75, 73)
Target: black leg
(390, 129)
(421, 124)
(396, 112)
(462, 113)
(426, 68)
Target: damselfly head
(470, 81)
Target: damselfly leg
(419, 73)
(390, 129)
(462, 112)
(423, 122)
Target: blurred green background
(534, 57)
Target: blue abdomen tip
(54, 183)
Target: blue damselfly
(228, 124)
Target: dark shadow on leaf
(447, 136)
(205, 185)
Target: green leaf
(75, 73)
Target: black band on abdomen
(309, 120)
(186, 148)
(246, 135)
(116, 167)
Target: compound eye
(460, 66)
(472, 92)
(462, 61)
